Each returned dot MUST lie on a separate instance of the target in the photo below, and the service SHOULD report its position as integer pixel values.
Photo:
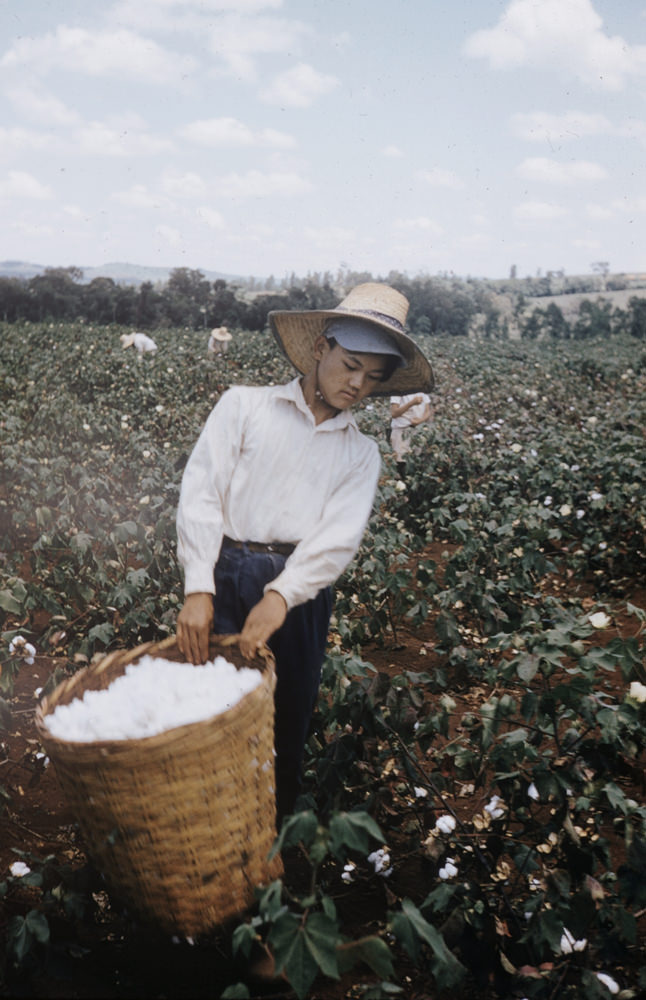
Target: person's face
(347, 377)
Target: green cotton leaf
(527, 667)
(301, 827)
(81, 541)
(9, 603)
(598, 658)
(103, 633)
(137, 578)
(322, 938)
(410, 928)
(291, 954)
(381, 991)
(238, 991)
(616, 797)
(37, 924)
(124, 531)
(19, 940)
(354, 831)
(372, 951)
(243, 937)
(440, 897)
(546, 928)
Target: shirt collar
(293, 392)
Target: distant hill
(122, 274)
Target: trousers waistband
(281, 548)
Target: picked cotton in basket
(151, 696)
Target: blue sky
(261, 138)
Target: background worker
(276, 496)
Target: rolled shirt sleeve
(325, 551)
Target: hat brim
(296, 334)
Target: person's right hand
(194, 624)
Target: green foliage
(529, 476)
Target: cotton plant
(448, 870)
(380, 861)
(22, 649)
(570, 944)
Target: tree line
(439, 305)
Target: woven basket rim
(176, 733)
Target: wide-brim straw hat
(296, 332)
(221, 333)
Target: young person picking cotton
(276, 496)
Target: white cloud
(212, 218)
(392, 152)
(564, 34)
(630, 206)
(183, 185)
(335, 237)
(17, 140)
(110, 53)
(188, 16)
(421, 223)
(540, 168)
(230, 132)
(138, 196)
(19, 184)
(238, 40)
(169, 235)
(299, 87)
(41, 106)
(583, 244)
(598, 213)
(438, 177)
(32, 229)
(538, 211)
(255, 184)
(100, 139)
(541, 126)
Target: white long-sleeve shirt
(262, 470)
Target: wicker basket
(180, 824)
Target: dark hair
(391, 365)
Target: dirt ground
(110, 959)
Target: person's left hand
(262, 621)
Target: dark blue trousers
(299, 649)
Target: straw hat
(221, 333)
(380, 304)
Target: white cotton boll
(381, 860)
(445, 824)
(152, 696)
(570, 944)
(348, 872)
(608, 982)
(493, 807)
(533, 792)
(449, 870)
(19, 869)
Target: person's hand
(194, 624)
(262, 621)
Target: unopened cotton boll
(150, 697)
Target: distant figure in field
(140, 341)
(406, 412)
(219, 340)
